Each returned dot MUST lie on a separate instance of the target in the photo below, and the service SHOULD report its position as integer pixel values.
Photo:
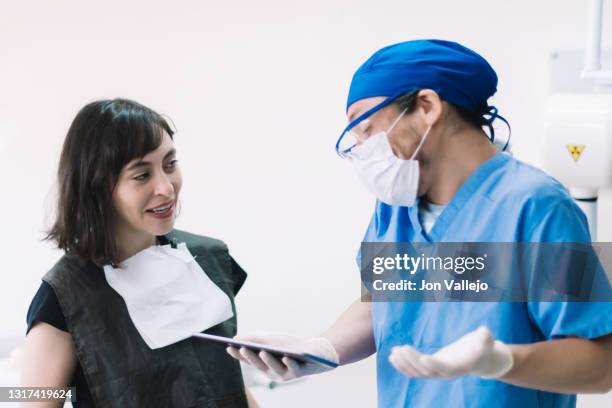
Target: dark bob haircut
(103, 137)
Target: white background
(257, 91)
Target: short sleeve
(556, 220)
(46, 308)
(565, 222)
(238, 276)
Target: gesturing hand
(476, 353)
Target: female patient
(114, 316)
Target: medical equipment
(578, 134)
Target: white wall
(257, 91)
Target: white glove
(476, 353)
(287, 368)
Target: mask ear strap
(420, 143)
(396, 121)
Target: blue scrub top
(504, 200)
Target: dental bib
(168, 295)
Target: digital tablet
(279, 352)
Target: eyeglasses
(344, 145)
(358, 132)
(352, 136)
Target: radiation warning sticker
(575, 151)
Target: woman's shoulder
(45, 308)
(68, 268)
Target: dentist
(416, 113)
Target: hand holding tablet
(280, 357)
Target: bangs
(133, 132)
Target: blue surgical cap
(459, 75)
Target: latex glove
(287, 368)
(476, 353)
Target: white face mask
(168, 295)
(392, 180)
